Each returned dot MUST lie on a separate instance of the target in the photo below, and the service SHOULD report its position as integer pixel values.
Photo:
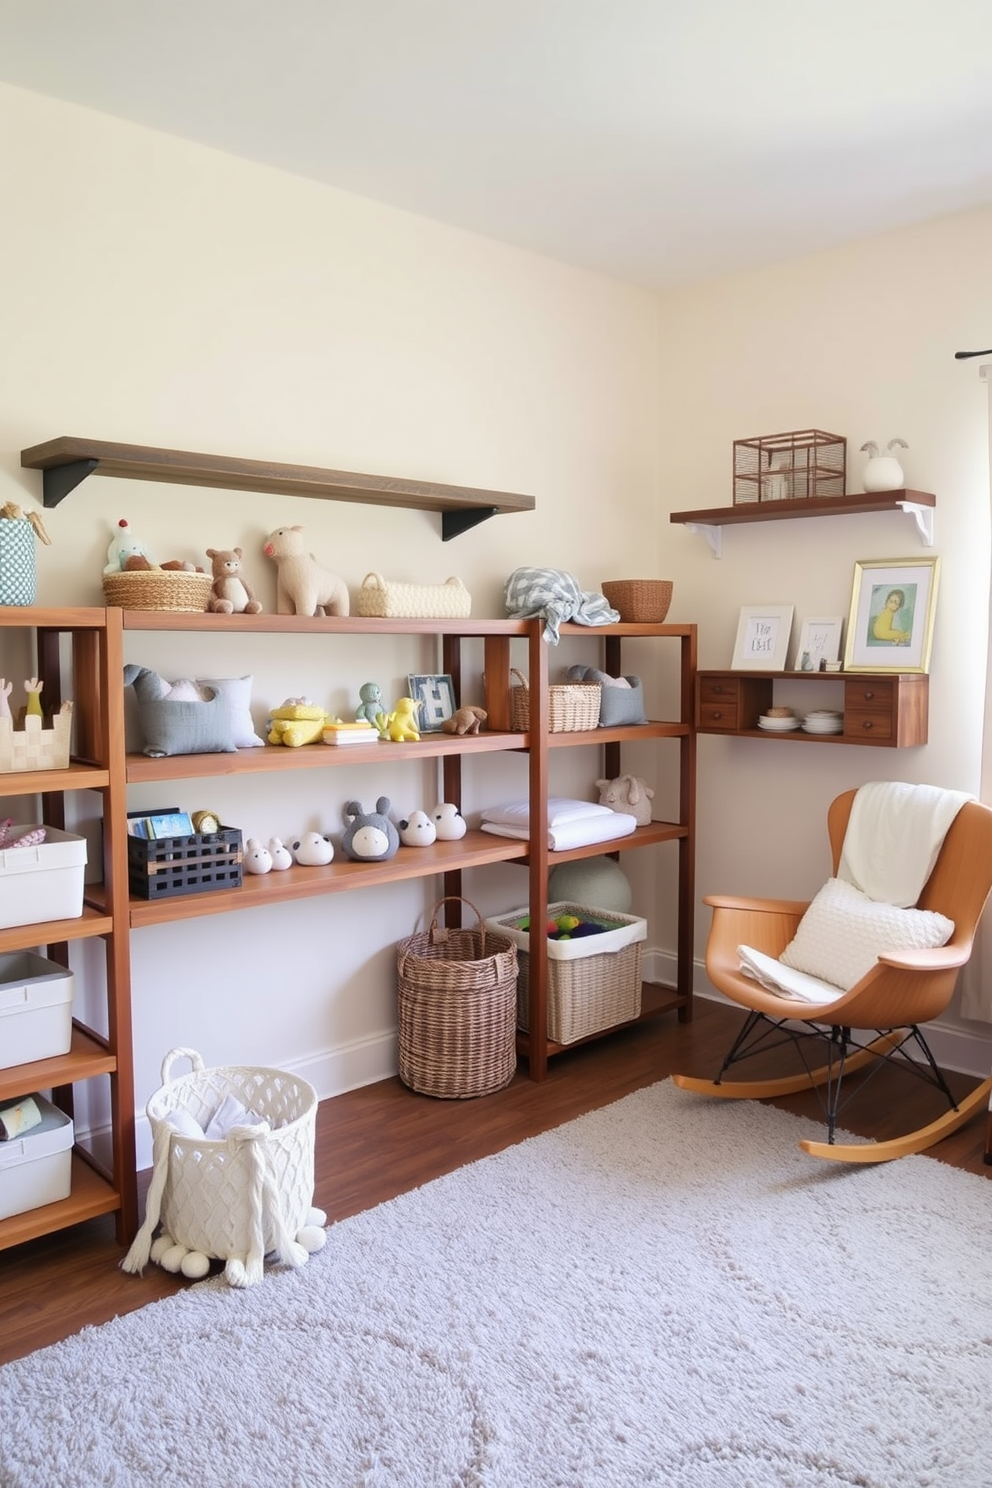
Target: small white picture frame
(819, 642)
(763, 633)
(435, 695)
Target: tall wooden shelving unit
(100, 764)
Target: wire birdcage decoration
(801, 465)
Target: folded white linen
(185, 1123)
(560, 809)
(228, 1114)
(576, 833)
(784, 981)
(893, 837)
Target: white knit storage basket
(391, 601)
(214, 1199)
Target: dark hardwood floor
(384, 1140)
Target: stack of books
(350, 733)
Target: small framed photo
(763, 633)
(819, 642)
(890, 628)
(436, 695)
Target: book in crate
(193, 864)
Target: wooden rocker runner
(904, 989)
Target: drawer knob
(717, 713)
(868, 694)
(867, 724)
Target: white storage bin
(36, 1169)
(35, 1008)
(43, 882)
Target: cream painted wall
(155, 292)
(858, 341)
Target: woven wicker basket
(572, 706)
(645, 601)
(593, 983)
(457, 994)
(158, 589)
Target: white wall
(859, 341)
(155, 292)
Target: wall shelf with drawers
(881, 709)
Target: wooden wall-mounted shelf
(708, 522)
(66, 461)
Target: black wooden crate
(184, 865)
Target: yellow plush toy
(297, 723)
(401, 724)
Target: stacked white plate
(823, 721)
(778, 725)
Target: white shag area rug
(666, 1291)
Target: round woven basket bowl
(645, 601)
(158, 589)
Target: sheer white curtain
(976, 978)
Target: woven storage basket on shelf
(457, 993)
(238, 1198)
(388, 600)
(593, 982)
(640, 601)
(158, 589)
(572, 706)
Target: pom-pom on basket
(241, 1198)
(573, 707)
(158, 589)
(640, 601)
(457, 992)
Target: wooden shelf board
(86, 1057)
(38, 782)
(92, 921)
(91, 1195)
(475, 849)
(279, 757)
(619, 734)
(654, 832)
(348, 625)
(816, 506)
(67, 460)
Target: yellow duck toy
(401, 724)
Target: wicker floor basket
(593, 983)
(643, 601)
(158, 589)
(457, 993)
(572, 706)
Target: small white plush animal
(280, 855)
(417, 830)
(627, 793)
(312, 850)
(303, 586)
(448, 822)
(257, 858)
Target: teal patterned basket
(17, 574)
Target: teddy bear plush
(230, 593)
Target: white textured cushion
(843, 933)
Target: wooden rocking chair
(903, 990)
